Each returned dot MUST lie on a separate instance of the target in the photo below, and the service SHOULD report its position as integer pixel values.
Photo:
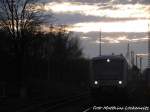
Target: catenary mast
(148, 47)
(100, 43)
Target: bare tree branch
(19, 15)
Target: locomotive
(109, 74)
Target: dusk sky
(121, 22)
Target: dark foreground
(135, 98)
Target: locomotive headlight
(95, 82)
(108, 60)
(120, 82)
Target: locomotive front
(109, 71)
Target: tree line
(28, 54)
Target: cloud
(120, 26)
(71, 18)
(119, 40)
(110, 40)
(100, 10)
(142, 54)
(118, 37)
(121, 21)
(78, 1)
(84, 38)
(130, 1)
(72, 12)
(101, 1)
(69, 7)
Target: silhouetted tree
(66, 46)
(4, 42)
(59, 44)
(30, 49)
(135, 72)
(20, 19)
(18, 16)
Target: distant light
(108, 60)
(120, 82)
(96, 82)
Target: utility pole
(128, 53)
(136, 59)
(148, 47)
(132, 58)
(100, 46)
(140, 63)
(51, 28)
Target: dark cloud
(145, 1)
(79, 1)
(71, 18)
(76, 17)
(101, 1)
(92, 1)
(131, 1)
(107, 6)
(131, 35)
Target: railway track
(52, 105)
